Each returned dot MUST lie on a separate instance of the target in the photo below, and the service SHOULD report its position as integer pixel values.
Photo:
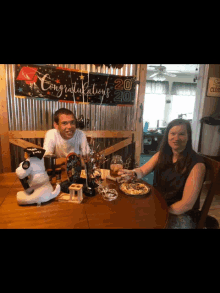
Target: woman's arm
(150, 165)
(191, 190)
(143, 170)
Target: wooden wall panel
(5, 155)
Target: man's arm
(49, 144)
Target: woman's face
(178, 137)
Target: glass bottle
(116, 165)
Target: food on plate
(134, 188)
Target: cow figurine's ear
(35, 152)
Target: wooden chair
(210, 186)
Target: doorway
(169, 97)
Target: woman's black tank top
(171, 184)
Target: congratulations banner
(58, 83)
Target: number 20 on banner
(121, 85)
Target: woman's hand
(126, 175)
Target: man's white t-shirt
(55, 144)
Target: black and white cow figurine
(34, 178)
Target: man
(65, 138)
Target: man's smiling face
(66, 126)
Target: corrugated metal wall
(37, 114)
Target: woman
(178, 174)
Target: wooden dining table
(125, 212)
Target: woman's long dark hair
(166, 154)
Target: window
(154, 105)
(182, 98)
(154, 102)
(182, 105)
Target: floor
(215, 206)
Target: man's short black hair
(62, 111)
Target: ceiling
(178, 69)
